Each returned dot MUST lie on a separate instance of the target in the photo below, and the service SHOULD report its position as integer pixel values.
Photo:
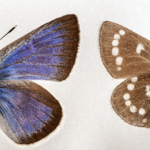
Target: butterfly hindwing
(131, 100)
(123, 52)
(28, 112)
(47, 53)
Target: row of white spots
(115, 49)
(126, 97)
(133, 109)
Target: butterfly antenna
(8, 32)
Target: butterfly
(126, 54)
(28, 112)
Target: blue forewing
(28, 111)
(47, 53)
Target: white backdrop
(89, 122)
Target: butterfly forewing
(29, 112)
(123, 52)
(131, 100)
(47, 53)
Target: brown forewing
(133, 62)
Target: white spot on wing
(119, 60)
(115, 43)
(148, 90)
(134, 79)
(133, 109)
(139, 48)
(122, 32)
(116, 36)
(115, 51)
(130, 87)
(144, 120)
(119, 68)
(141, 111)
(128, 103)
(126, 96)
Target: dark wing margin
(123, 52)
(28, 113)
(47, 53)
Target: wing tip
(106, 23)
(75, 44)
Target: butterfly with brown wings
(126, 54)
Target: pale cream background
(89, 121)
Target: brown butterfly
(126, 54)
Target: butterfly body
(28, 113)
(125, 54)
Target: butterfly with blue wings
(28, 112)
(126, 54)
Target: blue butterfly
(28, 111)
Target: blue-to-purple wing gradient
(47, 53)
(28, 112)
